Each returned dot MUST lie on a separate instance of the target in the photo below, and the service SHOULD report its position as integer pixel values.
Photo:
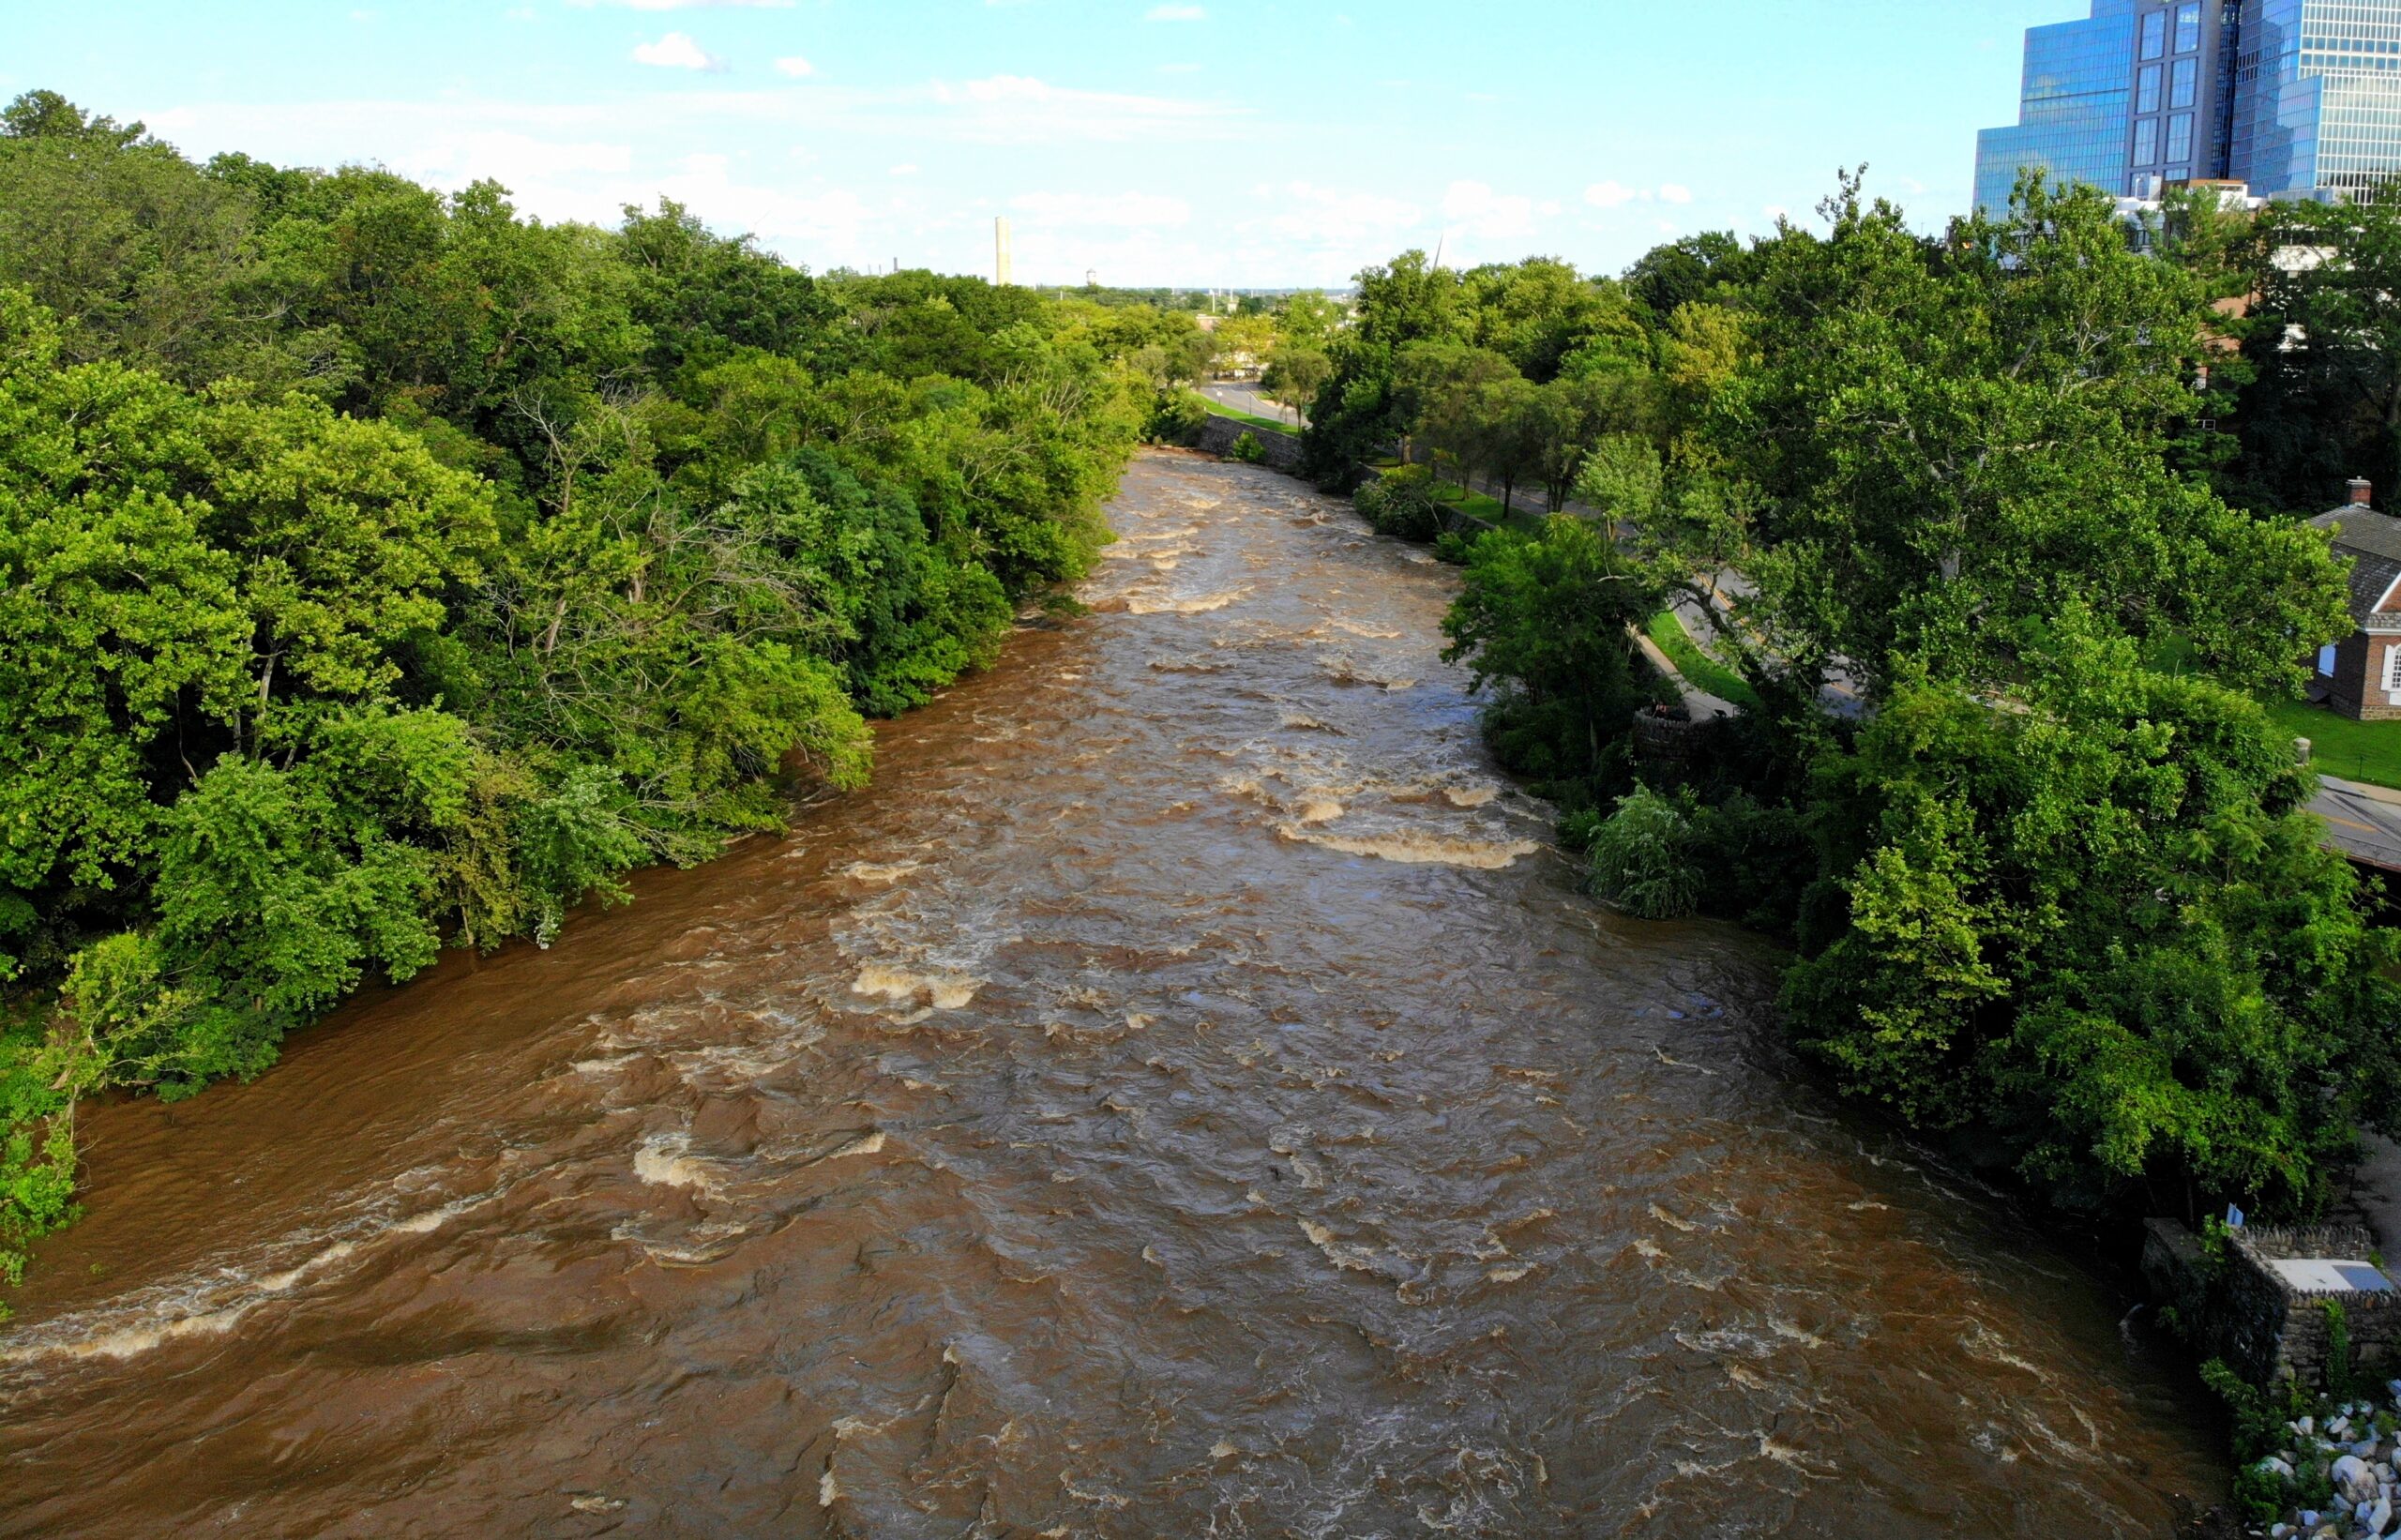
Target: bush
(1176, 417)
(1401, 504)
(1247, 450)
(1643, 859)
(1760, 859)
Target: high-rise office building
(2071, 111)
(2297, 98)
(2317, 96)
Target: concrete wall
(1283, 450)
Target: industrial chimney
(1000, 251)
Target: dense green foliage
(2051, 904)
(379, 569)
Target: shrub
(1401, 504)
(1643, 859)
(1247, 450)
(1176, 417)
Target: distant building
(2361, 674)
(2298, 98)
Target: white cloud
(676, 51)
(1124, 210)
(1774, 212)
(1672, 192)
(1611, 194)
(1019, 110)
(1477, 210)
(794, 66)
(906, 168)
(1176, 14)
(685, 5)
(1331, 218)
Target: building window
(2392, 668)
(2180, 137)
(2326, 660)
(2188, 27)
(2146, 141)
(2155, 34)
(2147, 89)
(2187, 80)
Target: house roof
(2373, 542)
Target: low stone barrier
(1277, 451)
(2242, 1306)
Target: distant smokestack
(2363, 492)
(1000, 251)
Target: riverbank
(1184, 1090)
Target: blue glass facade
(2295, 97)
(2073, 107)
(2317, 96)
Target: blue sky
(1214, 141)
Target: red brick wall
(2359, 672)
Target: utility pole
(1000, 251)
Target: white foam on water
(943, 991)
(133, 1340)
(1470, 797)
(870, 871)
(1419, 849)
(866, 1145)
(1356, 1259)
(663, 1160)
(1200, 604)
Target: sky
(1234, 144)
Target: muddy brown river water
(1184, 1096)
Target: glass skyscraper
(2071, 108)
(2297, 98)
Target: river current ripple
(1184, 1096)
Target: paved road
(1244, 396)
(2364, 822)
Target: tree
(1294, 376)
(1432, 393)
(379, 566)
(1506, 422)
(2100, 929)
(1308, 320)
(1952, 443)
(2326, 404)
(1542, 623)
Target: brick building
(2361, 675)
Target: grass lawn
(1667, 629)
(2368, 751)
(1220, 409)
(1476, 505)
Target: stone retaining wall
(2239, 1309)
(1282, 451)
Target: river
(1186, 1095)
